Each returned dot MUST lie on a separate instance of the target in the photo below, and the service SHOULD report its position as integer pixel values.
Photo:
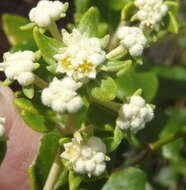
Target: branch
(53, 175)
(178, 134)
(153, 147)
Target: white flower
(151, 12)
(19, 66)
(47, 11)
(132, 39)
(86, 158)
(81, 56)
(2, 129)
(61, 95)
(134, 114)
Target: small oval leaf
(127, 179)
(106, 91)
(11, 27)
(48, 46)
(35, 121)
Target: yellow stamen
(85, 67)
(66, 63)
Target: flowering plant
(88, 89)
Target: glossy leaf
(24, 45)
(113, 142)
(105, 91)
(131, 81)
(115, 66)
(81, 7)
(168, 177)
(172, 81)
(48, 46)
(39, 170)
(35, 121)
(24, 104)
(117, 4)
(28, 91)
(74, 180)
(171, 73)
(127, 179)
(88, 22)
(102, 119)
(105, 41)
(173, 25)
(11, 27)
(148, 186)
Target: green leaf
(74, 180)
(36, 122)
(172, 150)
(180, 166)
(113, 142)
(3, 149)
(172, 81)
(127, 179)
(177, 119)
(168, 177)
(39, 170)
(172, 25)
(81, 7)
(105, 41)
(28, 91)
(131, 81)
(11, 27)
(170, 73)
(106, 91)
(117, 4)
(89, 21)
(116, 65)
(103, 30)
(26, 105)
(148, 186)
(48, 46)
(101, 118)
(7, 82)
(24, 45)
(28, 26)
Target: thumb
(21, 146)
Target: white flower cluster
(133, 39)
(151, 12)
(80, 57)
(61, 95)
(2, 129)
(86, 158)
(19, 66)
(134, 115)
(47, 11)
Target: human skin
(22, 145)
